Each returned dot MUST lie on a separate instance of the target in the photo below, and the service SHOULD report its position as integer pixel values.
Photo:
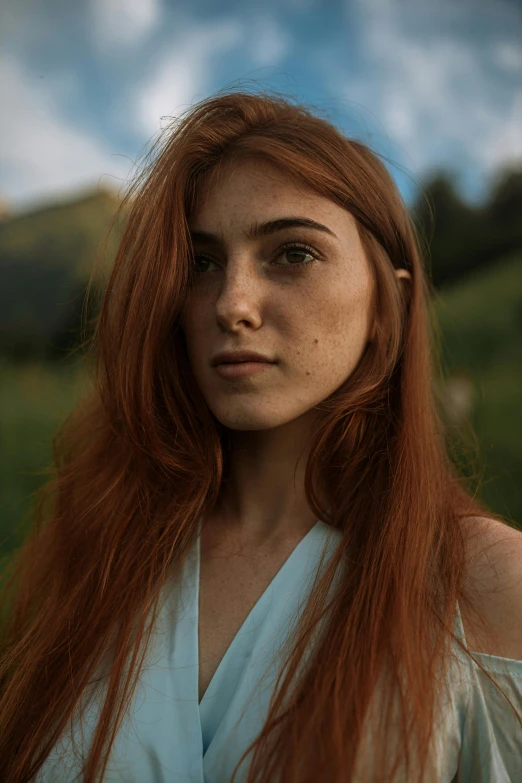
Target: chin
(248, 423)
(248, 419)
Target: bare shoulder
(494, 579)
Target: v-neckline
(275, 579)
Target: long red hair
(141, 458)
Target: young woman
(262, 568)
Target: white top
(171, 738)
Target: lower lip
(239, 369)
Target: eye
(296, 250)
(197, 257)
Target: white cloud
(503, 143)
(184, 72)
(45, 153)
(432, 90)
(187, 70)
(41, 153)
(123, 23)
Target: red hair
(141, 458)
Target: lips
(238, 357)
(233, 370)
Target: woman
(266, 569)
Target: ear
(399, 273)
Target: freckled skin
(314, 321)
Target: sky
(86, 85)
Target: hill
(481, 316)
(46, 258)
(481, 327)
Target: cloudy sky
(84, 85)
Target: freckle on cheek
(316, 340)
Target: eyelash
(287, 246)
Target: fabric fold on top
(252, 650)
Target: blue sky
(427, 83)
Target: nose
(240, 296)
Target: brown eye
(298, 256)
(295, 252)
(200, 258)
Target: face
(300, 295)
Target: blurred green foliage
(463, 238)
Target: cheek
(195, 324)
(339, 323)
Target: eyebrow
(258, 230)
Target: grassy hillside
(481, 324)
(46, 259)
(481, 316)
(34, 399)
(481, 320)
(63, 235)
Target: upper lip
(239, 356)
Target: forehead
(255, 188)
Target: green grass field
(481, 321)
(481, 324)
(34, 399)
